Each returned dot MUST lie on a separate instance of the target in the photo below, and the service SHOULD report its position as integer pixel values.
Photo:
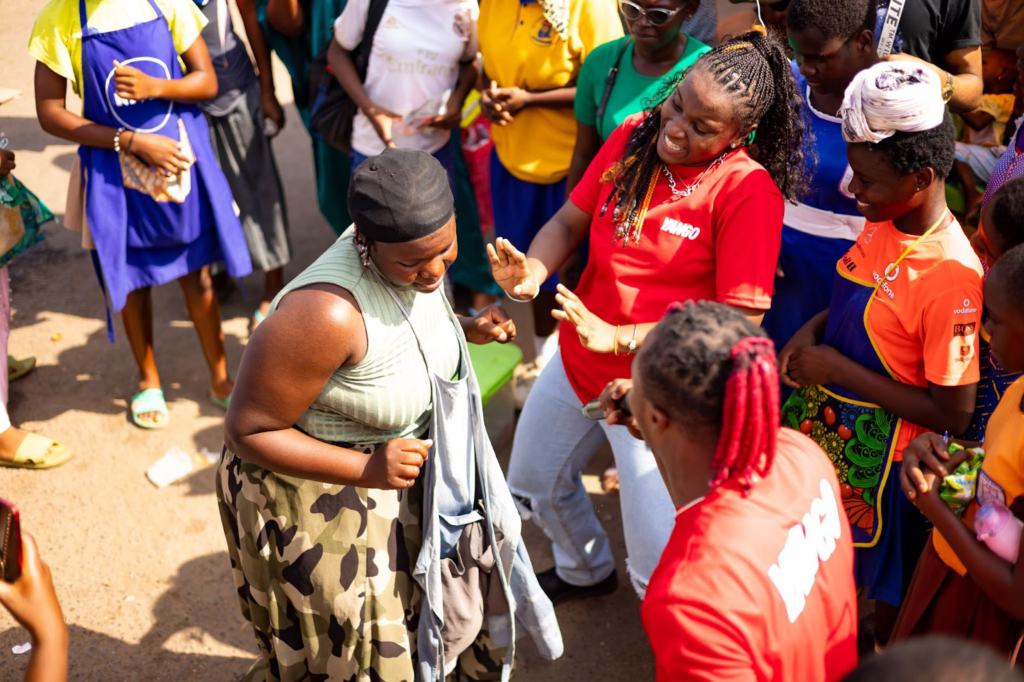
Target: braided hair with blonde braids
(713, 370)
(755, 69)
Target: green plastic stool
(494, 365)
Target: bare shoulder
(320, 322)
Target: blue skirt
(886, 568)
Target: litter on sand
(210, 457)
(19, 649)
(175, 465)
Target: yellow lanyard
(910, 248)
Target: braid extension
(746, 444)
(714, 370)
(755, 69)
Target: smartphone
(592, 410)
(10, 542)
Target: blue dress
(817, 232)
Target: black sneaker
(559, 591)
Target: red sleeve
(692, 642)
(951, 324)
(747, 243)
(588, 192)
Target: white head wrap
(891, 97)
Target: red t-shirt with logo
(925, 316)
(719, 244)
(759, 587)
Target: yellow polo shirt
(520, 49)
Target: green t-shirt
(632, 90)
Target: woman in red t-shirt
(676, 208)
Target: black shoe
(559, 591)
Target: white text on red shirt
(807, 545)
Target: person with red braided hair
(756, 582)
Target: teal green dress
(332, 166)
(472, 268)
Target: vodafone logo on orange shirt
(967, 309)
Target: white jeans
(553, 444)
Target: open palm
(511, 271)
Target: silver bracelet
(117, 140)
(516, 300)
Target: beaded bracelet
(117, 140)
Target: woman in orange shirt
(896, 351)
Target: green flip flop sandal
(222, 403)
(150, 400)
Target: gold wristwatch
(947, 88)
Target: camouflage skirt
(324, 575)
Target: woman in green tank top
(654, 53)
(324, 435)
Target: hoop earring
(363, 249)
(751, 145)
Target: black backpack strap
(373, 17)
(609, 81)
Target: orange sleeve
(950, 327)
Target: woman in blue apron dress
(819, 228)
(896, 351)
(157, 206)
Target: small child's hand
(926, 454)
(130, 83)
(930, 502)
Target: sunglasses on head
(657, 16)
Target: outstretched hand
(511, 271)
(595, 334)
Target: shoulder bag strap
(890, 26)
(373, 17)
(609, 81)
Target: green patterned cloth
(34, 213)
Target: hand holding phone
(10, 542)
(32, 599)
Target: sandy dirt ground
(142, 574)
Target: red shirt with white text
(721, 243)
(759, 587)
